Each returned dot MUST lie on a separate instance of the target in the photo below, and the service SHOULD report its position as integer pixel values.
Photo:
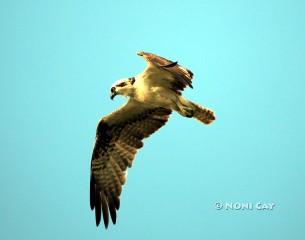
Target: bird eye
(112, 89)
(132, 80)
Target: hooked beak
(113, 94)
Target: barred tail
(202, 114)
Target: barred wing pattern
(119, 136)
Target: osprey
(153, 95)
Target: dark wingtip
(189, 83)
(97, 222)
(105, 210)
(190, 72)
(170, 65)
(92, 193)
(112, 211)
(97, 209)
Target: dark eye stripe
(121, 84)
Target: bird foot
(187, 112)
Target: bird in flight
(153, 95)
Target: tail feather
(202, 114)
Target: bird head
(122, 87)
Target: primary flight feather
(153, 95)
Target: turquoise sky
(58, 60)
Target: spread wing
(179, 77)
(118, 137)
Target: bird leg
(184, 108)
(189, 109)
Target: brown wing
(118, 137)
(182, 76)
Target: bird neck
(128, 92)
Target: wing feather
(92, 193)
(97, 204)
(181, 76)
(105, 209)
(118, 137)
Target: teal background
(58, 60)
